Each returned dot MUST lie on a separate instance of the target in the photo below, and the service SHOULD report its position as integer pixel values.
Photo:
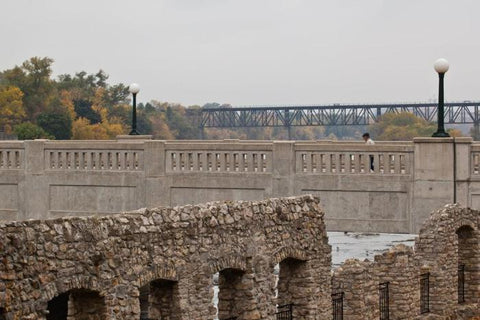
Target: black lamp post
(134, 89)
(441, 66)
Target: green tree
(30, 131)
(83, 109)
(58, 125)
(183, 121)
(401, 126)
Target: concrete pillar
(433, 177)
(34, 188)
(156, 189)
(283, 168)
(462, 169)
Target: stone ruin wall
(103, 262)
(450, 237)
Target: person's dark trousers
(371, 162)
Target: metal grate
(461, 283)
(384, 301)
(284, 312)
(425, 293)
(337, 306)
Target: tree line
(85, 106)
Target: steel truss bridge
(332, 115)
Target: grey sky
(248, 52)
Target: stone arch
(167, 272)
(61, 286)
(231, 297)
(158, 292)
(77, 304)
(232, 293)
(232, 261)
(439, 249)
(468, 260)
(291, 284)
(159, 299)
(288, 252)
(299, 273)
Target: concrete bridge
(50, 179)
(159, 264)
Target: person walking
(369, 141)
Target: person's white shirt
(369, 141)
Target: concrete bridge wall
(49, 179)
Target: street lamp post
(134, 89)
(441, 66)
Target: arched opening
(468, 272)
(231, 293)
(58, 307)
(159, 300)
(77, 304)
(292, 286)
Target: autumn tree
(401, 126)
(33, 79)
(11, 108)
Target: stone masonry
(447, 240)
(96, 267)
(160, 264)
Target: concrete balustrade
(48, 179)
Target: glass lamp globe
(441, 65)
(134, 88)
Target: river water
(364, 245)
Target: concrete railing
(106, 156)
(330, 158)
(395, 193)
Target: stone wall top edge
(433, 140)
(219, 146)
(355, 147)
(463, 140)
(98, 145)
(134, 137)
(11, 143)
(448, 218)
(390, 254)
(355, 264)
(148, 211)
(393, 252)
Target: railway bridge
(466, 112)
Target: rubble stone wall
(114, 256)
(102, 262)
(450, 237)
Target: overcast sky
(255, 52)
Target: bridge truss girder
(335, 115)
